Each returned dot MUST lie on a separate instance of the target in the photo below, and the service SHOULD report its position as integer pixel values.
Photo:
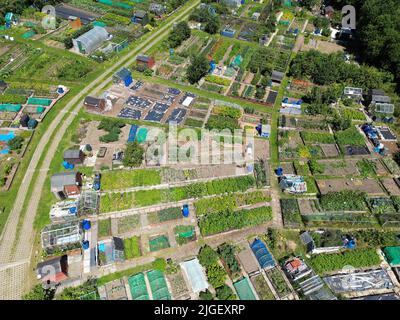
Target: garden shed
(94, 104)
(277, 76)
(53, 270)
(91, 40)
(74, 156)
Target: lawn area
(132, 248)
(127, 224)
(358, 258)
(350, 137)
(104, 228)
(122, 179)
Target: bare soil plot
(391, 146)
(178, 285)
(329, 150)
(261, 149)
(340, 167)
(391, 186)
(307, 206)
(288, 168)
(369, 186)
(380, 168)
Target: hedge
(358, 258)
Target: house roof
(381, 99)
(353, 91)
(277, 75)
(144, 58)
(56, 263)
(59, 180)
(140, 14)
(72, 154)
(377, 92)
(92, 101)
(123, 74)
(118, 244)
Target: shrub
(347, 200)
(358, 258)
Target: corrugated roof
(59, 180)
(72, 154)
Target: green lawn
(104, 228)
(132, 248)
(122, 179)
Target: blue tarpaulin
(132, 133)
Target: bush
(134, 155)
(225, 293)
(358, 258)
(346, 200)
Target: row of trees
(326, 69)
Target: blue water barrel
(85, 245)
(185, 211)
(279, 171)
(86, 225)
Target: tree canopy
(134, 155)
(197, 69)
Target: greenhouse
(262, 254)
(61, 234)
(91, 40)
(195, 275)
(244, 290)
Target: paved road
(18, 249)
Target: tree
(206, 295)
(213, 25)
(134, 155)
(180, 33)
(216, 275)
(396, 157)
(16, 143)
(198, 68)
(309, 4)
(225, 293)
(207, 256)
(39, 293)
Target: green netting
(159, 243)
(28, 34)
(187, 234)
(10, 107)
(117, 4)
(142, 135)
(29, 24)
(158, 285)
(40, 109)
(237, 61)
(243, 290)
(137, 284)
(99, 24)
(392, 255)
(39, 102)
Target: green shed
(392, 255)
